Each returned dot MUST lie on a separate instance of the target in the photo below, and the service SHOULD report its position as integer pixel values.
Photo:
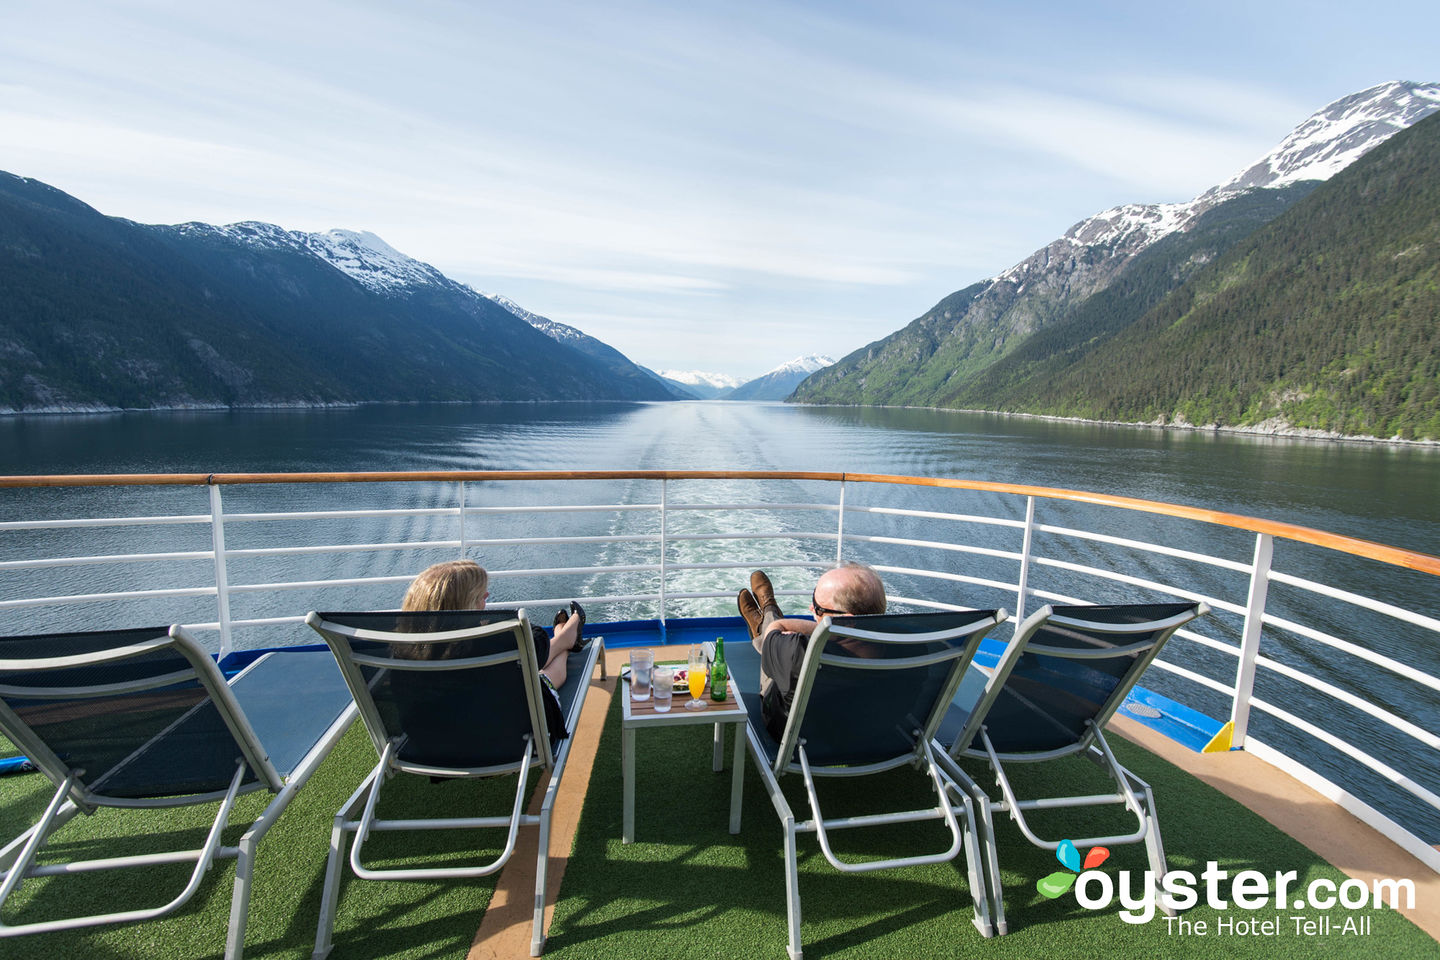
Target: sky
(711, 186)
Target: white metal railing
(665, 566)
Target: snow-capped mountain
(807, 364)
(553, 329)
(1337, 136)
(699, 378)
(362, 256)
(1326, 143)
(382, 269)
(252, 314)
(779, 382)
(699, 384)
(971, 329)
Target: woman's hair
(453, 585)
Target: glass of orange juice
(698, 676)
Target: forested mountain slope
(1327, 319)
(1016, 342)
(103, 313)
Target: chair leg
(792, 890)
(986, 824)
(542, 865)
(974, 863)
(335, 868)
(240, 900)
(1155, 850)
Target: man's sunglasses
(823, 611)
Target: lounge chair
(452, 694)
(871, 694)
(1060, 679)
(144, 718)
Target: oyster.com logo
(1057, 883)
(1293, 901)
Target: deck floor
(437, 922)
(1320, 825)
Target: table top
(643, 712)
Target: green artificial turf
(376, 919)
(686, 888)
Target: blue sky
(704, 186)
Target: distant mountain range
(774, 384)
(701, 385)
(1061, 331)
(779, 383)
(103, 313)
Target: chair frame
(358, 815)
(1131, 791)
(74, 794)
(793, 758)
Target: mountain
(704, 386)
(779, 383)
(104, 313)
(620, 366)
(938, 358)
(1326, 320)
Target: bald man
(851, 589)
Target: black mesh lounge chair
(452, 694)
(144, 718)
(1059, 681)
(870, 696)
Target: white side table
(640, 715)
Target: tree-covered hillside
(1327, 318)
(1306, 307)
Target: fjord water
(1388, 493)
(1381, 492)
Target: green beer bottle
(719, 673)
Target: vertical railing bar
(464, 545)
(1250, 638)
(1023, 586)
(840, 528)
(222, 582)
(664, 548)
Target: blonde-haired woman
(464, 585)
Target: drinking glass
(662, 682)
(642, 662)
(697, 677)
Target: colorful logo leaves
(1058, 882)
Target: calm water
(1379, 492)
(1376, 492)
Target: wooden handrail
(1395, 556)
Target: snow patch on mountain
(1326, 143)
(370, 260)
(1337, 136)
(807, 364)
(553, 329)
(719, 381)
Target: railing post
(1023, 587)
(663, 546)
(463, 545)
(840, 528)
(222, 584)
(1250, 639)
